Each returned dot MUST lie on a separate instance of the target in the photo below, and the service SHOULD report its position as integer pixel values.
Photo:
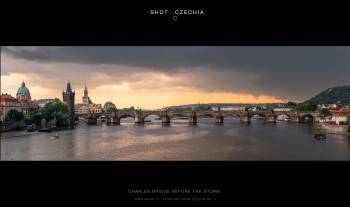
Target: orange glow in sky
(124, 95)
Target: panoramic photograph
(161, 103)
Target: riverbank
(22, 132)
(16, 126)
(335, 129)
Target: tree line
(53, 114)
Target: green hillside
(332, 95)
(328, 96)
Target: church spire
(69, 88)
(85, 91)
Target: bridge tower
(69, 98)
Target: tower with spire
(69, 99)
(85, 91)
(86, 98)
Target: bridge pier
(139, 121)
(193, 118)
(245, 119)
(114, 118)
(166, 119)
(112, 121)
(271, 119)
(219, 119)
(91, 121)
(139, 117)
(295, 119)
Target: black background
(68, 183)
(58, 23)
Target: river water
(178, 141)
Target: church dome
(23, 92)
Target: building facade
(282, 109)
(95, 108)
(8, 102)
(339, 116)
(87, 106)
(83, 108)
(229, 108)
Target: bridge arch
(283, 115)
(261, 114)
(124, 116)
(151, 114)
(206, 115)
(307, 118)
(233, 114)
(179, 115)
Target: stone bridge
(192, 115)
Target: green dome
(23, 90)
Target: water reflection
(153, 140)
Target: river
(178, 141)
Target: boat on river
(56, 136)
(45, 130)
(31, 128)
(320, 136)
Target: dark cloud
(290, 72)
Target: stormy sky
(153, 76)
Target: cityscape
(167, 125)
(22, 111)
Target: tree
(34, 117)
(291, 104)
(56, 113)
(110, 110)
(326, 113)
(202, 108)
(269, 108)
(309, 106)
(14, 116)
(259, 108)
